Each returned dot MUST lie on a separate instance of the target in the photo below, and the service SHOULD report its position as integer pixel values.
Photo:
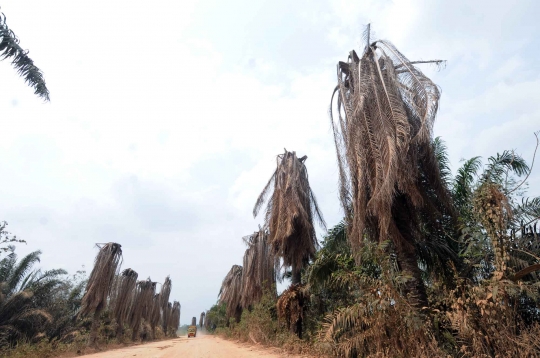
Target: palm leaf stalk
(100, 282)
(231, 292)
(260, 268)
(124, 295)
(390, 180)
(10, 48)
(290, 212)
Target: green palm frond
(500, 165)
(441, 154)
(10, 48)
(20, 271)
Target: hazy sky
(166, 117)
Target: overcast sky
(166, 117)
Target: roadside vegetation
(49, 313)
(425, 263)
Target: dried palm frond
(165, 294)
(156, 314)
(106, 266)
(125, 286)
(142, 305)
(9, 48)
(290, 307)
(174, 320)
(260, 268)
(201, 320)
(390, 180)
(231, 292)
(290, 212)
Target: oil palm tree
(164, 296)
(125, 286)
(10, 48)
(142, 305)
(201, 320)
(231, 292)
(260, 268)
(24, 296)
(155, 314)
(174, 318)
(100, 283)
(390, 181)
(290, 213)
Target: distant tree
(230, 293)
(124, 288)
(100, 283)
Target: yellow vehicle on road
(192, 330)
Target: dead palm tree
(390, 181)
(9, 48)
(100, 282)
(121, 306)
(290, 212)
(155, 314)
(201, 320)
(164, 296)
(142, 305)
(260, 268)
(174, 318)
(231, 292)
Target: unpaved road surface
(198, 347)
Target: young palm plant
(390, 181)
(231, 292)
(10, 48)
(100, 283)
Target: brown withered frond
(290, 307)
(389, 175)
(165, 294)
(155, 314)
(260, 268)
(231, 291)
(121, 305)
(174, 320)
(106, 266)
(201, 320)
(142, 305)
(290, 211)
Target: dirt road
(199, 347)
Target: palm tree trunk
(296, 327)
(92, 339)
(296, 278)
(414, 287)
(401, 233)
(120, 332)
